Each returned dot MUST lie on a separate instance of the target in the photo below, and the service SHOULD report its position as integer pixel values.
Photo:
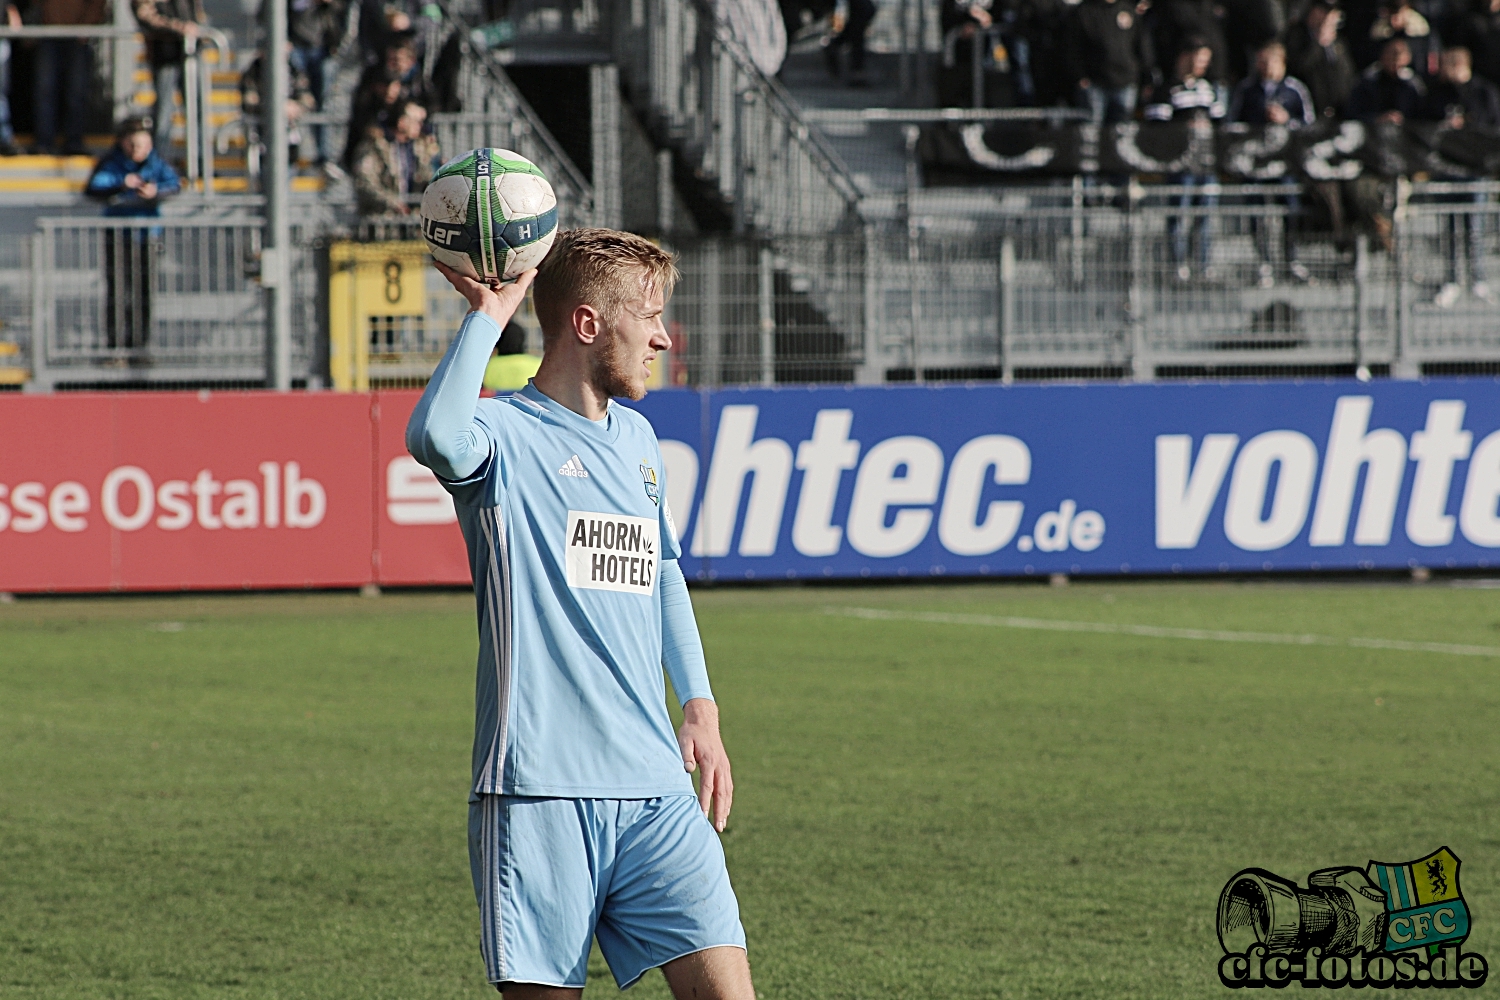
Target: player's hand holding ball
(498, 301)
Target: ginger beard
(610, 368)
(618, 363)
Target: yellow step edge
(240, 185)
(29, 162)
(14, 376)
(227, 78)
(64, 185)
(209, 55)
(41, 185)
(218, 98)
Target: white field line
(1160, 632)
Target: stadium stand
(833, 223)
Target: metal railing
(122, 300)
(699, 91)
(1134, 283)
(495, 115)
(197, 109)
(1203, 282)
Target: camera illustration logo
(1386, 925)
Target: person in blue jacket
(131, 179)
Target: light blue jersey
(568, 534)
(581, 820)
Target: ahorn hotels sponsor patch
(612, 552)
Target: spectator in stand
(1461, 100)
(1108, 52)
(7, 130)
(851, 35)
(131, 179)
(376, 98)
(63, 71)
(1269, 97)
(1388, 91)
(1008, 34)
(1478, 30)
(395, 162)
(511, 367)
(400, 62)
(167, 25)
(1318, 57)
(1192, 98)
(383, 22)
(1249, 26)
(315, 28)
(299, 102)
(1175, 23)
(1387, 95)
(1401, 20)
(1044, 23)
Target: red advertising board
(417, 536)
(166, 491)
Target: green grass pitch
(264, 796)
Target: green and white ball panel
(446, 201)
(489, 213)
(529, 203)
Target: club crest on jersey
(649, 475)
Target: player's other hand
(499, 302)
(703, 751)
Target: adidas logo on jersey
(574, 468)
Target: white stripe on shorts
(491, 927)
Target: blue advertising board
(866, 481)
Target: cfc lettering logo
(612, 552)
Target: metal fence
(1023, 284)
(752, 312)
(161, 301)
(1141, 284)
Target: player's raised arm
(441, 433)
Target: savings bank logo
(1399, 925)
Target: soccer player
(582, 818)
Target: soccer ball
(489, 214)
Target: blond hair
(603, 268)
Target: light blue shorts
(646, 876)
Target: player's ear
(587, 323)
